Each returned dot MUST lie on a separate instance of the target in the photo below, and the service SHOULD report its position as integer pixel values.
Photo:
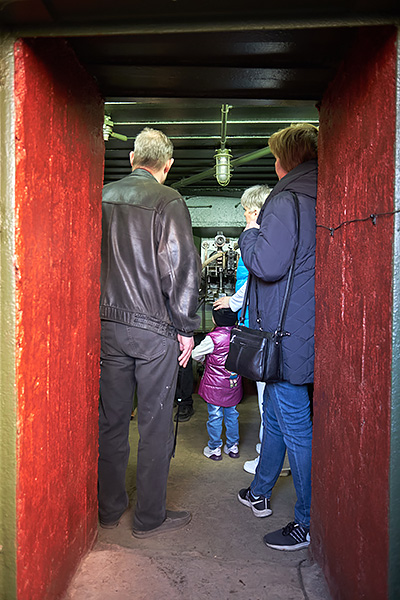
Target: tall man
(149, 292)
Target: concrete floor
(220, 554)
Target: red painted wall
(59, 158)
(353, 335)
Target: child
(221, 389)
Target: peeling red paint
(353, 337)
(59, 157)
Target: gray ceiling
(171, 64)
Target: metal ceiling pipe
(211, 172)
(224, 123)
(202, 123)
(194, 178)
(251, 156)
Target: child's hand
(222, 302)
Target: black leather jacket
(150, 270)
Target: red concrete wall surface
(59, 171)
(353, 325)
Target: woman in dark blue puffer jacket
(267, 248)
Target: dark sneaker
(185, 412)
(111, 525)
(260, 506)
(291, 537)
(173, 521)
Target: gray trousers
(135, 359)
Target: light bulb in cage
(223, 166)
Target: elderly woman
(268, 246)
(252, 201)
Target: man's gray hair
(253, 198)
(152, 149)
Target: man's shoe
(250, 466)
(213, 454)
(260, 506)
(185, 412)
(233, 451)
(111, 525)
(173, 521)
(291, 537)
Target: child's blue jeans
(217, 414)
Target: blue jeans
(287, 425)
(217, 414)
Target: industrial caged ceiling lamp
(223, 166)
(223, 155)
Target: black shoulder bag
(254, 353)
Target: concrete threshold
(220, 554)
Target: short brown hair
(152, 149)
(294, 145)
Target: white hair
(253, 198)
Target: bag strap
(245, 301)
(289, 284)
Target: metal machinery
(219, 258)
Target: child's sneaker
(260, 506)
(233, 451)
(291, 537)
(213, 454)
(285, 472)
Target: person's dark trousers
(184, 390)
(184, 386)
(134, 358)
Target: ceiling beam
(340, 19)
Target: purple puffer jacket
(216, 386)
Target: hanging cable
(372, 217)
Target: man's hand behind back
(186, 345)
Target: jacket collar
(142, 173)
(288, 182)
